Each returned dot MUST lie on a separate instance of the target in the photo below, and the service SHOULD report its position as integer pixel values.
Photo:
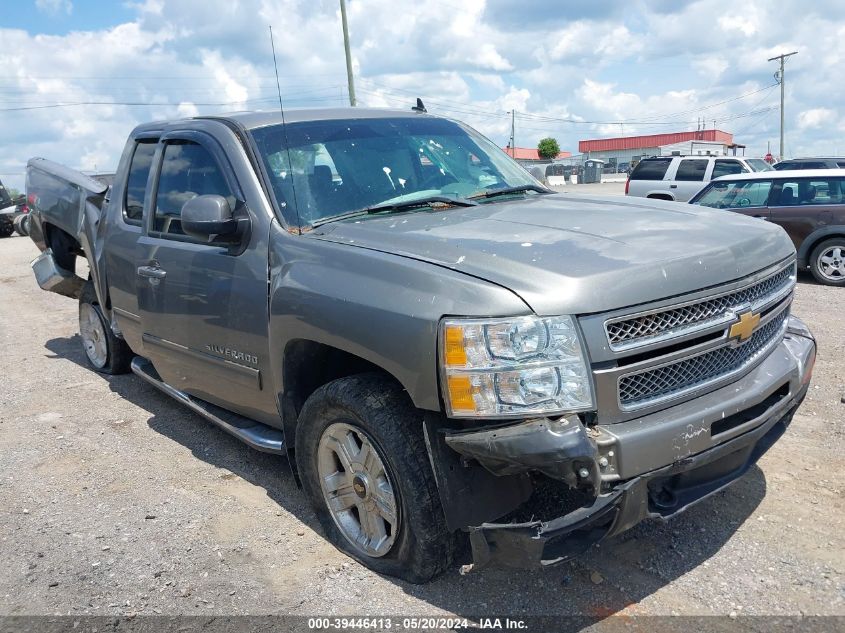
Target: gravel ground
(115, 500)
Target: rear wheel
(363, 464)
(827, 262)
(7, 226)
(104, 351)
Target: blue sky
(78, 75)
(58, 17)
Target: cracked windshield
(343, 167)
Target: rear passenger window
(727, 167)
(188, 170)
(826, 191)
(651, 169)
(136, 182)
(691, 169)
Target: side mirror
(209, 218)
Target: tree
(548, 148)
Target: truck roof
(257, 119)
(786, 173)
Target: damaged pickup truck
(433, 339)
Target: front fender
(380, 307)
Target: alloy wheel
(357, 489)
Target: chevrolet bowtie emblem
(744, 328)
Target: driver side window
(188, 170)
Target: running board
(255, 434)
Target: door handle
(152, 272)
(673, 186)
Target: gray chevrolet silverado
(442, 347)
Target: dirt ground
(116, 500)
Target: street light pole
(782, 81)
(349, 78)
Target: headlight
(513, 367)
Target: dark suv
(810, 163)
(808, 204)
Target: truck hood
(575, 254)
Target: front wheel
(105, 352)
(7, 227)
(827, 262)
(362, 459)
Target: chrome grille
(628, 332)
(670, 380)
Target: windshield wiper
(420, 202)
(493, 193)
(396, 206)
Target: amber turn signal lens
(460, 393)
(455, 352)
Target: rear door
(122, 232)
(203, 306)
(802, 205)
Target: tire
(21, 225)
(105, 352)
(373, 408)
(7, 227)
(827, 262)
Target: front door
(203, 306)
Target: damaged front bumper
(654, 467)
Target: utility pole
(349, 78)
(779, 76)
(513, 125)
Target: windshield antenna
(285, 131)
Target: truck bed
(66, 210)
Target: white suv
(679, 178)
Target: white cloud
(711, 66)
(743, 23)
(815, 118)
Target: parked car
(680, 177)
(810, 163)
(10, 211)
(428, 333)
(808, 204)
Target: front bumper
(654, 467)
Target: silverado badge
(745, 326)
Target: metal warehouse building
(622, 151)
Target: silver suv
(679, 178)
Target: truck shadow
(608, 578)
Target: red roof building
(652, 140)
(528, 153)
